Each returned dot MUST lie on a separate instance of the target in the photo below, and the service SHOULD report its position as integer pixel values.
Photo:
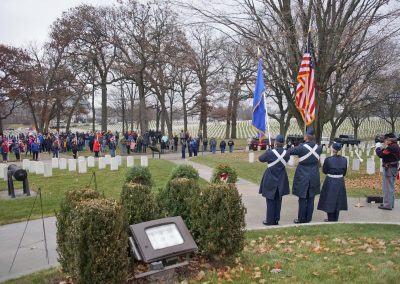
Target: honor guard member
(306, 183)
(389, 152)
(333, 193)
(274, 183)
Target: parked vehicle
(294, 140)
(347, 140)
(255, 142)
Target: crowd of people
(306, 182)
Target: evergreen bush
(218, 220)
(140, 175)
(100, 242)
(184, 171)
(64, 223)
(139, 203)
(176, 198)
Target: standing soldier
(306, 182)
(275, 182)
(389, 152)
(333, 193)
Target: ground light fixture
(161, 243)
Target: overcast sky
(23, 21)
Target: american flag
(305, 92)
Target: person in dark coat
(222, 146)
(275, 182)
(389, 152)
(333, 193)
(306, 182)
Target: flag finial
(259, 53)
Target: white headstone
(251, 157)
(102, 163)
(81, 158)
(48, 170)
(370, 167)
(380, 166)
(32, 167)
(356, 165)
(258, 148)
(144, 161)
(82, 166)
(348, 160)
(291, 161)
(107, 159)
(39, 168)
(129, 161)
(114, 164)
(54, 163)
(3, 171)
(71, 165)
(322, 158)
(351, 153)
(63, 164)
(90, 162)
(119, 159)
(247, 149)
(25, 164)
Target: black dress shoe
(384, 207)
(297, 221)
(268, 224)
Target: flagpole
(267, 120)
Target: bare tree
(14, 64)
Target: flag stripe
(305, 91)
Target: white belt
(334, 176)
(280, 158)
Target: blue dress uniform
(275, 182)
(306, 182)
(390, 161)
(333, 193)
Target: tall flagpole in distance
(265, 106)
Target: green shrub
(176, 198)
(184, 171)
(218, 220)
(140, 175)
(100, 242)
(64, 223)
(139, 203)
(223, 169)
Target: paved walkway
(31, 256)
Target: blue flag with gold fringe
(259, 111)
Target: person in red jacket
(96, 147)
(4, 150)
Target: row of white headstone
(355, 165)
(81, 164)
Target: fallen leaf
(315, 273)
(200, 275)
(276, 270)
(370, 250)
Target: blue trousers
(306, 208)
(388, 179)
(274, 209)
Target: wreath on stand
(224, 174)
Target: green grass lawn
(359, 183)
(334, 253)
(54, 188)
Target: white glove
(378, 145)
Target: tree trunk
(228, 117)
(1, 126)
(203, 110)
(185, 114)
(235, 106)
(104, 114)
(93, 111)
(144, 123)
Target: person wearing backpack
(389, 152)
